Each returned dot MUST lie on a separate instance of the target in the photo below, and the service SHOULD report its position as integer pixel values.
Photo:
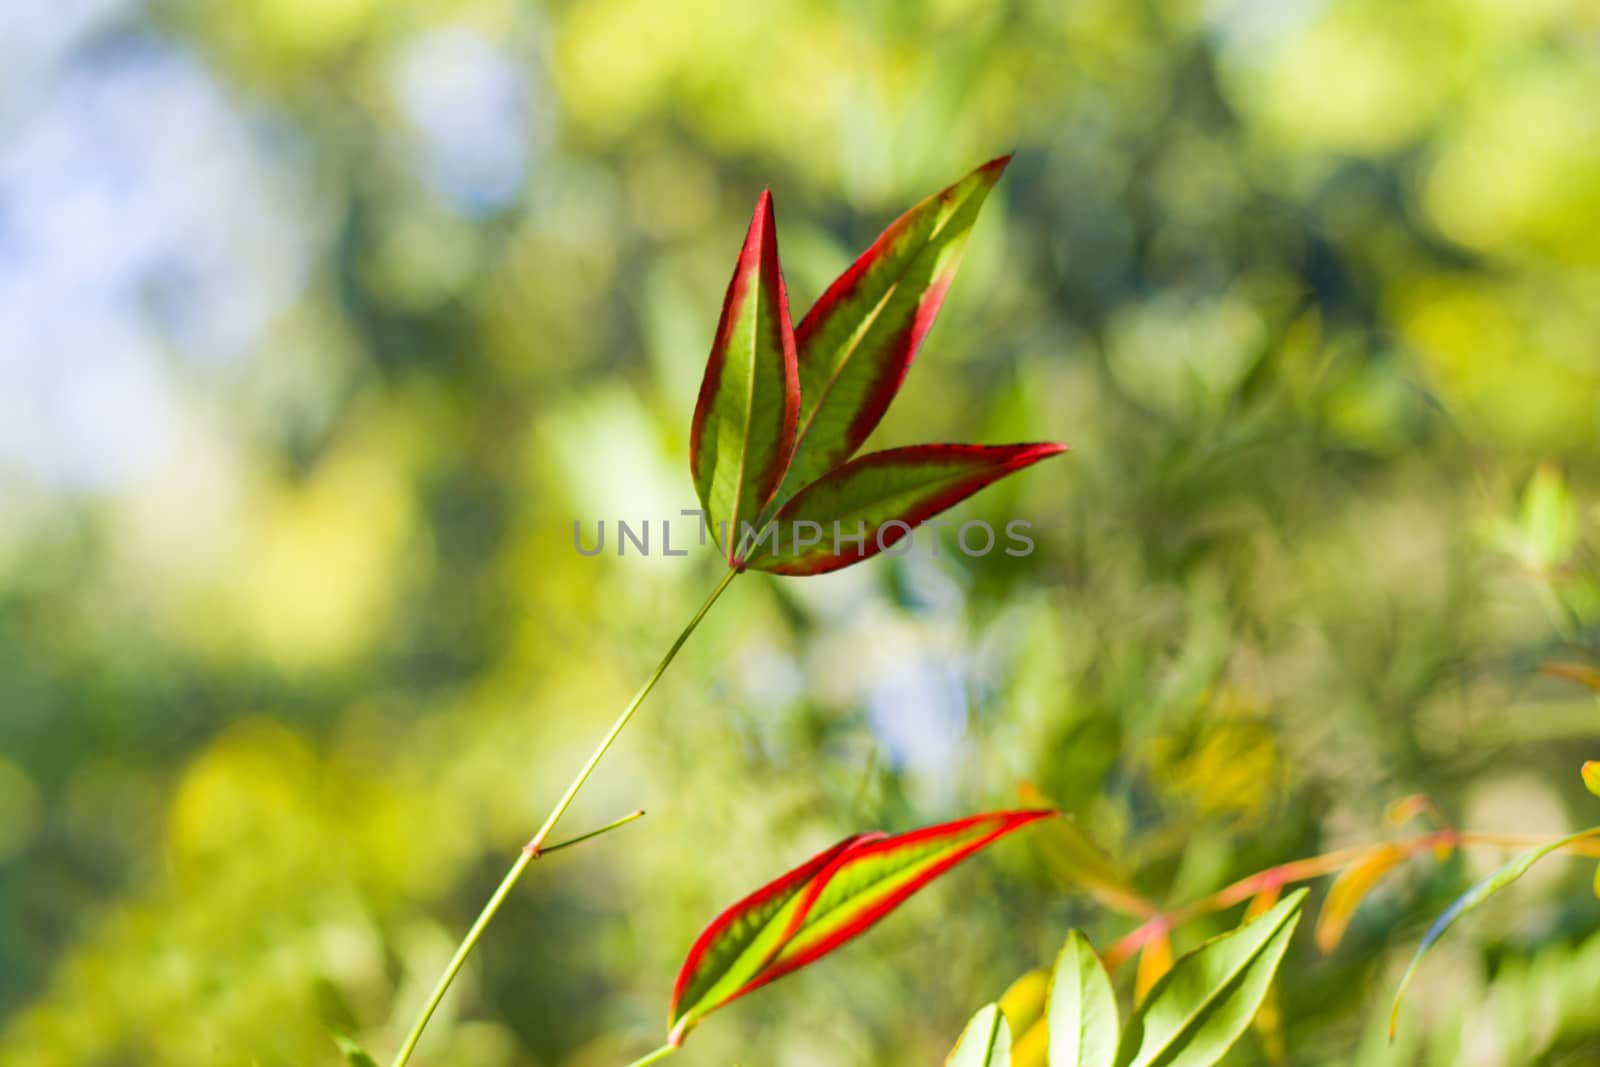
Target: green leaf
(354, 1054)
(743, 432)
(1471, 900)
(986, 1042)
(1591, 776)
(1206, 1001)
(1083, 1009)
(857, 342)
(871, 503)
(831, 899)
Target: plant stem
(606, 829)
(655, 1057)
(536, 847)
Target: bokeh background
(321, 321)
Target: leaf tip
(1591, 776)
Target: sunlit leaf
(835, 896)
(1349, 890)
(986, 1042)
(743, 432)
(1083, 1009)
(1268, 1022)
(858, 340)
(1205, 1002)
(1470, 901)
(1591, 776)
(871, 503)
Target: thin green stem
(655, 1057)
(536, 847)
(581, 838)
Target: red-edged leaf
(834, 897)
(871, 503)
(744, 422)
(858, 340)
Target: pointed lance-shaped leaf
(986, 1042)
(1471, 900)
(857, 341)
(1349, 890)
(871, 503)
(1083, 1009)
(831, 899)
(744, 422)
(1206, 1001)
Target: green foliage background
(328, 317)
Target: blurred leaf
(872, 502)
(1549, 520)
(1078, 860)
(1405, 809)
(1581, 673)
(1201, 1007)
(1023, 1001)
(1470, 901)
(354, 1054)
(857, 342)
(1349, 890)
(1268, 1022)
(742, 436)
(1032, 1049)
(1155, 960)
(832, 898)
(1083, 1010)
(1591, 776)
(986, 1042)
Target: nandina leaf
(1023, 1001)
(733, 949)
(871, 503)
(744, 422)
(1083, 1010)
(1204, 1003)
(856, 343)
(1349, 890)
(986, 1042)
(1471, 900)
(833, 897)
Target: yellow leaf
(1263, 902)
(1405, 809)
(1349, 889)
(1155, 960)
(1032, 1049)
(1023, 1003)
(1591, 776)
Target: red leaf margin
(821, 869)
(1008, 459)
(758, 260)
